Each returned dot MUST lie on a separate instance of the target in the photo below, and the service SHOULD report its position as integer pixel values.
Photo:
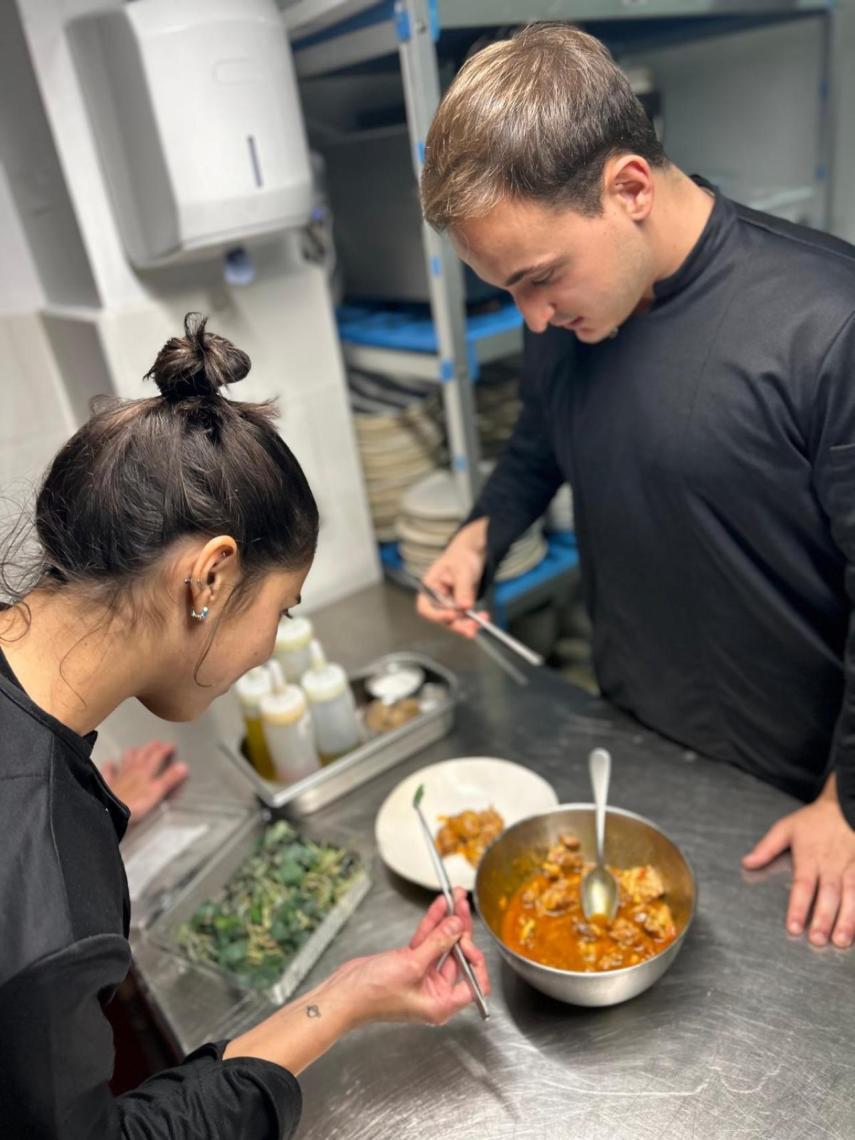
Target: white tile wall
(35, 416)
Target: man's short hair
(533, 117)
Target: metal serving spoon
(600, 893)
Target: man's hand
(823, 851)
(456, 574)
(144, 776)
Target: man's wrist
(473, 535)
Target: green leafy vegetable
(269, 907)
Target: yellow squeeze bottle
(251, 688)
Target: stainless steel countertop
(750, 1034)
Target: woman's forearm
(300, 1032)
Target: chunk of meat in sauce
(656, 918)
(588, 931)
(641, 883)
(612, 959)
(560, 859)
(530, 897)
(559, 897)
(624, 931)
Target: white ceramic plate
(471, 782)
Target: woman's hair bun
(197, 364)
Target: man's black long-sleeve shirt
(64, 949)
(711, 450)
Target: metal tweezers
(487, 627)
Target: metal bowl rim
(554, 970)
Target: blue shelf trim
(402, 26)
(560, 557)
(410, 329)
(433, 16)
(380, 13)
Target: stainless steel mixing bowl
(630, 840)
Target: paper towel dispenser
(197, 119)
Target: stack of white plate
(431, 512)
(399, 443)
(559, 513)
(498, 406)
(526, 553)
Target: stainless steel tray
(370, 759)
(163, 930)
(166, 850)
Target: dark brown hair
(533, 117)
(142, 473)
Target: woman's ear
(214, 573)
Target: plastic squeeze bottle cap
(252, 686)
(293, 633)
(287, 703)
(324, 681)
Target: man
(689, 369)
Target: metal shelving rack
(330, 36)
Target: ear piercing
(204, 611)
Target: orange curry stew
(543, 919)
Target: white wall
(35, 416)
(76, 320)
(743, 110)
(20, 288)
(106, 322)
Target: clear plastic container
(336, 724)
(293, 647)
(251, 689)
(288, 729)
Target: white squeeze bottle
(293, 640)
(333, 708)
(288, 729)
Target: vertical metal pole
(445, 273)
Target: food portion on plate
(469, 801)
(543, 919)
(269, 907)
(469, 833)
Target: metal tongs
(445, 886)
(487, 627)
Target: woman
(175, 532)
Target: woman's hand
(397, 985)
(406, 984)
